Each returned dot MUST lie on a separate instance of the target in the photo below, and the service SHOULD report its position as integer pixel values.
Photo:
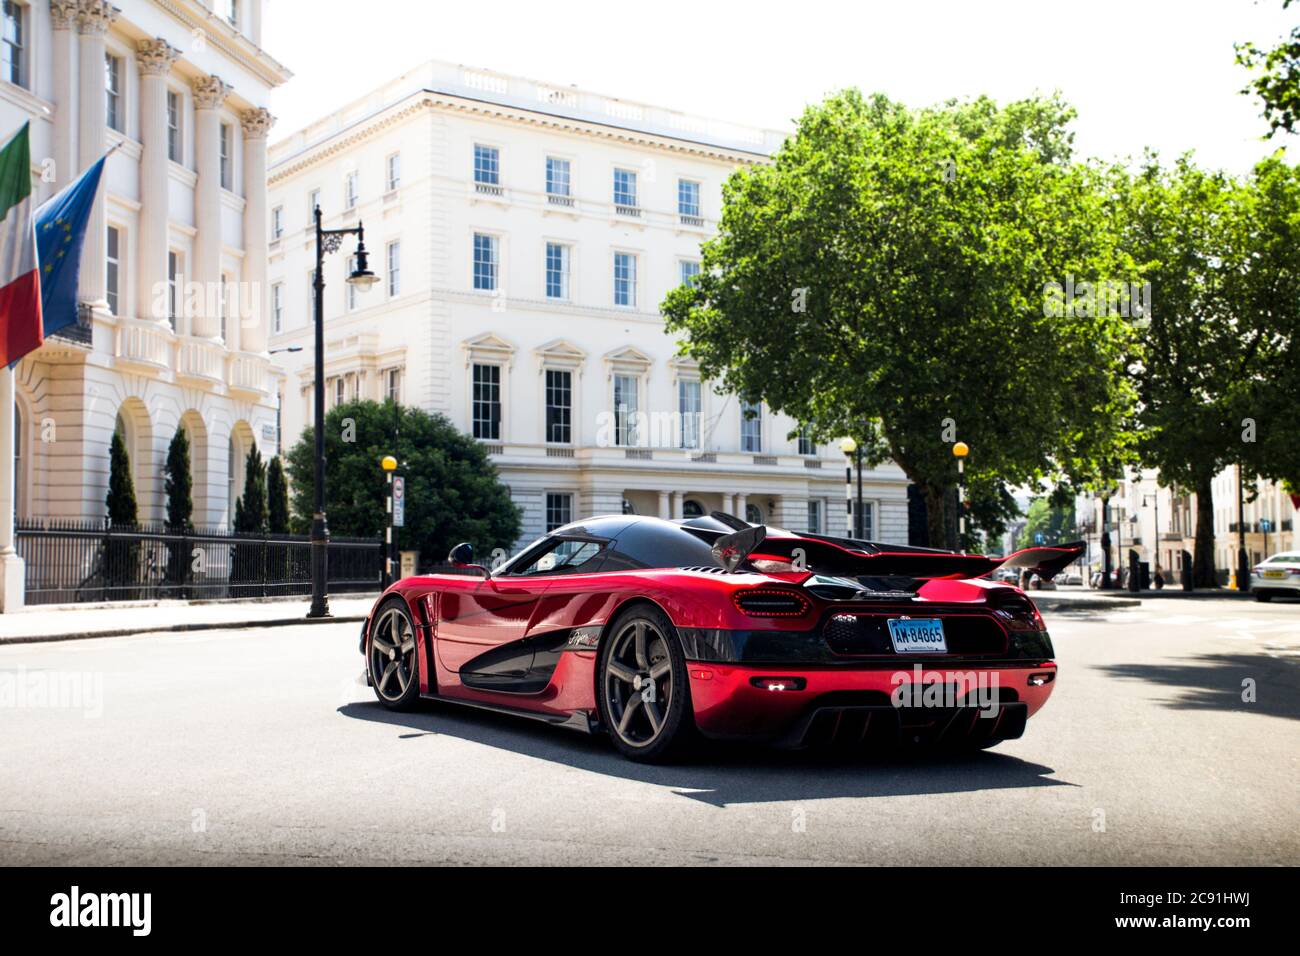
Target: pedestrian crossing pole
(849, 446)
(960, 450)
(389, 464)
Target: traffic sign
(399, 501)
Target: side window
(564, 556)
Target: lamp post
(857, 527)
(389, 464)
(960, 450)
(1155, 503)
(1243, 560)
(327, 240)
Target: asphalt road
(260, 746)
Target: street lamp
(857, 527)
(960, 450)
(327, 240)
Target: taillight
(1017, 612)
(771, 602)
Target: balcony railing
(249, 373)
(555, 199)
(201, 360)
(633, 212)
(696, 222)
(81, 331)
(142, 343)
(488, 189)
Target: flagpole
(12, 577)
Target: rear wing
(753, 544)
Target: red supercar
(655, 631)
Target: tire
(392, 657)
(641, 650)
(1263, 596)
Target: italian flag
(20, 284)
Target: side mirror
(463, 553)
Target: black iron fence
(76, 561)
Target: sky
(1158, 73)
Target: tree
(122, 509)
(277, 498)
(177, 483)
(886, 277)
(121, 558)
(1219, 354)
(251, 507)
(452, 491)
(1278, 81)
(1055, 522)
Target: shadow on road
(1215, 682)
(722, 775)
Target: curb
(1085, 604)
(180, 628)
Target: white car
(1280, 574)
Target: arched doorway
(197, 433)
(136, 428)
(692, 509)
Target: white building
(525, 234)
(178, 90)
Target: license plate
(922, 635)
(1274, 574)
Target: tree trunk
(937, 518)
(1203, 575)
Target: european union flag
(60, 230)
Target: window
(688, 406)
(313, 201)
(563, 556)
(557, 271)
(692, 509)
(174, 150)
(113, 89)
(559, 406)
(311, 291)
(558, 180)
(487, 165)
(174, 279)
(232, 12)
(625, 410)
(688, 198)
(486, 402)
(485, 261)
(689, 270)
(340, 393)
(350, 190)
(624, 187)
(226, 146)
(393, 385)
(806, 445)
(394, 268)
(814, 517)
(15, 40)
(751, 427)
(624, 279)
(753, 514)
(351, 293)
(277, 222)
(393, 179)
(559, 512)
(112, 271)
(277, 307)
(224, 307)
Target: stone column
(63, 14)
(663, 505)
(155, 58)
(209, 93)
(741, 502)
(729, 504)
(93, 20)
(253, 326)
(678, 501)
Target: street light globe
(363, 279)
(960, 449)
(848, 446)
(388, 463)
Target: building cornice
(376, 123)
(226, 39)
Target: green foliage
(277, 498)
(452, 491)
(251, 507)
(1278, 81)
(122, 509)
(919, 243)
(178, 485)
(1054, 522)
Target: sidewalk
(66, 622)
(1077, 599)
